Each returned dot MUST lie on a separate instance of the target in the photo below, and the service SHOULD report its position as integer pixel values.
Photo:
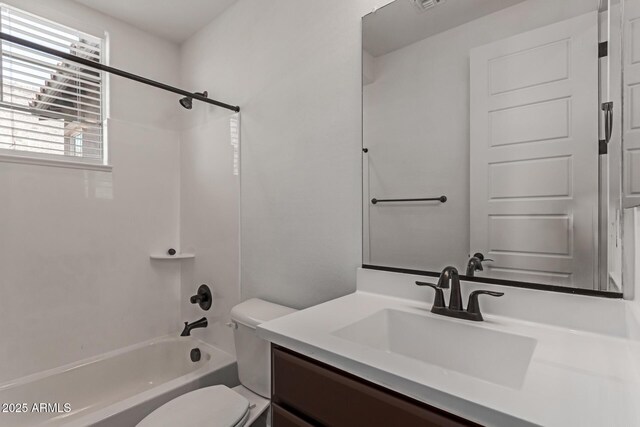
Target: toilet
(221, 406)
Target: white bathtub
(118, 388)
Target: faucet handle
(481, 257)
(203, 298)
(474, 306)
(438, 301)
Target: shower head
(187, 101)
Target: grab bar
(441, 199)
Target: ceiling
(400, 23)
(174, 20)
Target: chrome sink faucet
(455, 308)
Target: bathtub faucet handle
(203, 298)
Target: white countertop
(575, 378)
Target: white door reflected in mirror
(501, 115)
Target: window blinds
(50, 106)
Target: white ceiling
(174, 20)
(399, 23)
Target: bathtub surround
(74, 252)
(209, 221)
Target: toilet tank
(254, 353)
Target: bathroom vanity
(307, 392)
(382, 348)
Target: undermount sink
(495, 356)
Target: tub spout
(202, 323)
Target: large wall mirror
(489, 140)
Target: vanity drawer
(284, 418)
(334, 398)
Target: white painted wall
(294, 68)
(416, 126)
(74, 245)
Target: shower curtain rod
(112, 70)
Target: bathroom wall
(416, 126)
(294, 68)
(74, 244)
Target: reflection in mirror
(484, 139)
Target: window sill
(42, 161)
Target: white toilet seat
(216, 406)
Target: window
(50, 107)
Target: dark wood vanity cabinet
(308, 393)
